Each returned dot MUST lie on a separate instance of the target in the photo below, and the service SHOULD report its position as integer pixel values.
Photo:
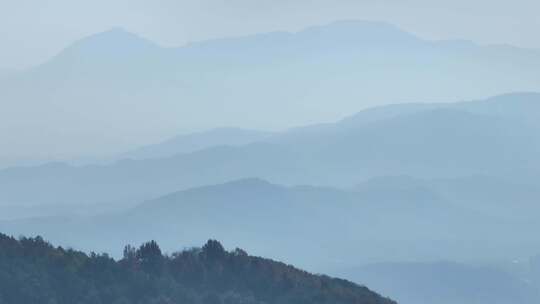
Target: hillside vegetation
(33, 271)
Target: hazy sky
(33, 30)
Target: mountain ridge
(471, 142)
(359, 216)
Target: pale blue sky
(33, 30)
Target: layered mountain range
(454, 140)
(113, 90)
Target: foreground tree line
(33, 271)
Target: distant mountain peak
(115, 41)
(116, 35)
(357, 23)
(249, 181)
(117, 29)
(362, 30)
(245, 185)
(248, 184)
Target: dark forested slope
(33, 271)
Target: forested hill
(33, 271)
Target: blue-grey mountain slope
(197, 141)
(445, 283)
(447, 141)
(368, 223)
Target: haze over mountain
(377, 221)
(28, 37)
(424, 141)
(445, 283)
(400, 152)
(388, 218)
(114, 90)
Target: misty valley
(352, 162)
